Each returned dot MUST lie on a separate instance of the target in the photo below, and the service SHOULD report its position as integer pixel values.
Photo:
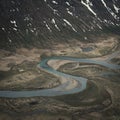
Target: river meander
(60, 90)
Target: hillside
(43, 23)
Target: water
(87, 49)
(60, 90)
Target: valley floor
(99, 101)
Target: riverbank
(100, 99)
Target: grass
(30, 78)
(88, 70)
(116, 61)
(82, 98)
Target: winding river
(60, 90)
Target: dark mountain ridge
(42, 23)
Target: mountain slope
(42, 23)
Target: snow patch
(10, 40)
(99, 26)
(54, 2)
(69, 12)
(116, 8)
(85, 38)
(3, 29)
(53, 21)
(109, 10)
(54, 10)
(13, 22)
(88, 4)
(15, 29)
(67, 3)
(69, 24)
(47, 26)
